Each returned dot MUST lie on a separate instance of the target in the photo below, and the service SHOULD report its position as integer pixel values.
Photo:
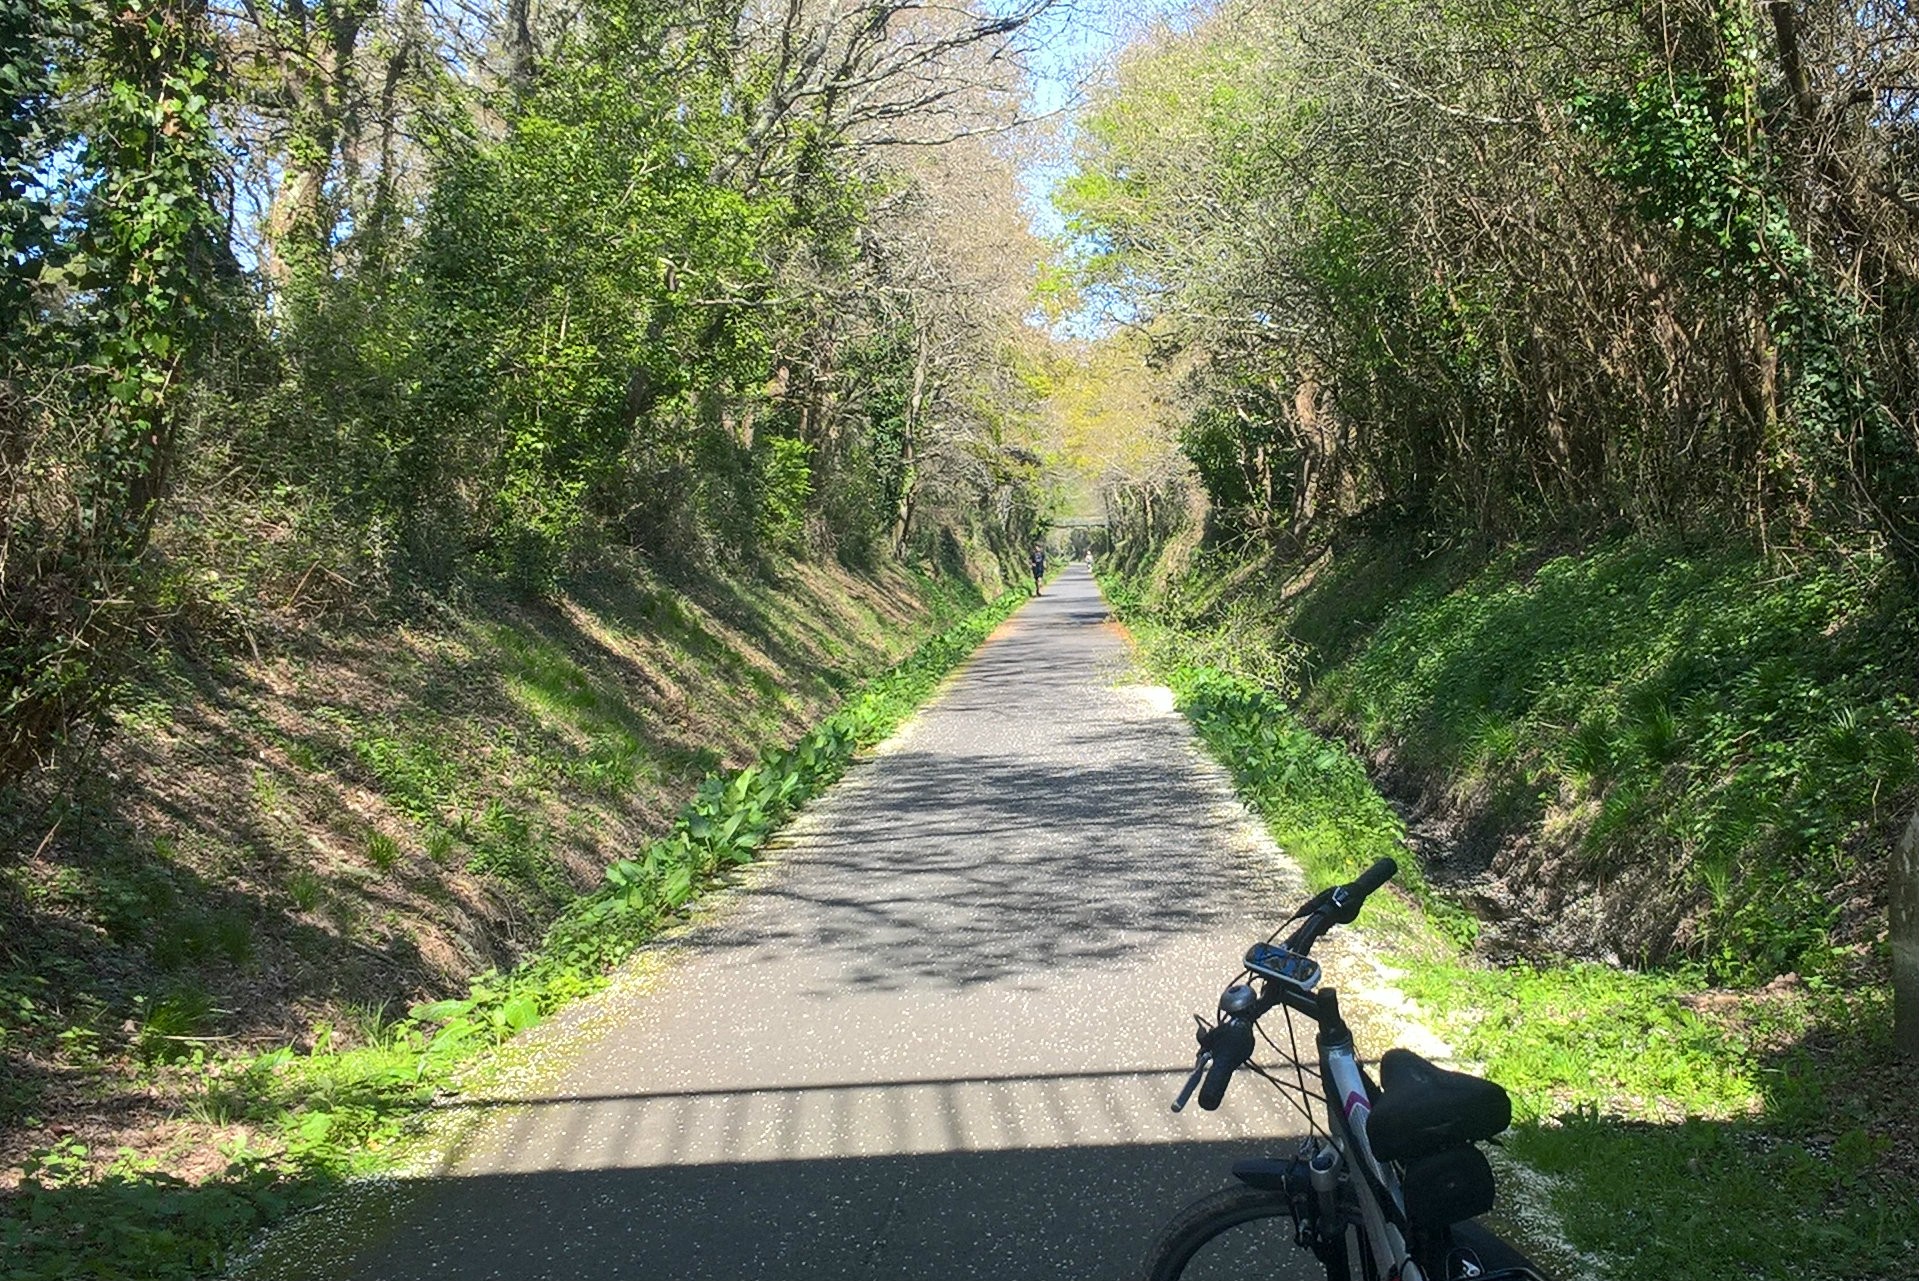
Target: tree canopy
(1492, 266)
(383, 292)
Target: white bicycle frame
(1348, 1107)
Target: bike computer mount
(1270, 960)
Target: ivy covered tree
(110, 271)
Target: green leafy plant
(172, 1025)
(112, 105)
(305, 888)
(382, 851)
(786, 481)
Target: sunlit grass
(1686, 1131)
(1742, 724)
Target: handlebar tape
(1232, 1045)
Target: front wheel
(1237, 1233)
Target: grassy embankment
(1690, 760)
(304, 893)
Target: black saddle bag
(1447, 1187)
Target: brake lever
(1203, 1033)
(1204, 1061)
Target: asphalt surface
(936, 1039)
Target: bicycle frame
(1336, 1167)
(1348, 1105)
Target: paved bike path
(937, 1038)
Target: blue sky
(1077, 45)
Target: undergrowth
(1739, 727)
(304, 1120)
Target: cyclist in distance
(1039, 565)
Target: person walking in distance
(1039, 565)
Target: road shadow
(971, 872)
(1037, 817)
(1084, 1213)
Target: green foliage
(148, 1223)
(1591, 271)
(1741, 723)
(1668, 1118)
(304, 889)
(1679, 145)
(107, 164)
(1705, 1184)
(1738, 725)
(623, 314)
(172, 1025)
(1592, 1037)
(886, 364)
(597, 217)
(579, 345)
(786, 482)
(382, 851)
(30, 134)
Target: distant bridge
(1078, 522)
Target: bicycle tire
(1206, 1219)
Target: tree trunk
(519, 46)
(1904, 907)
(909, 481)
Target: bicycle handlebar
(1200, 1065)
(1338, 905)
(1228, 1044)
(1371, 879)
